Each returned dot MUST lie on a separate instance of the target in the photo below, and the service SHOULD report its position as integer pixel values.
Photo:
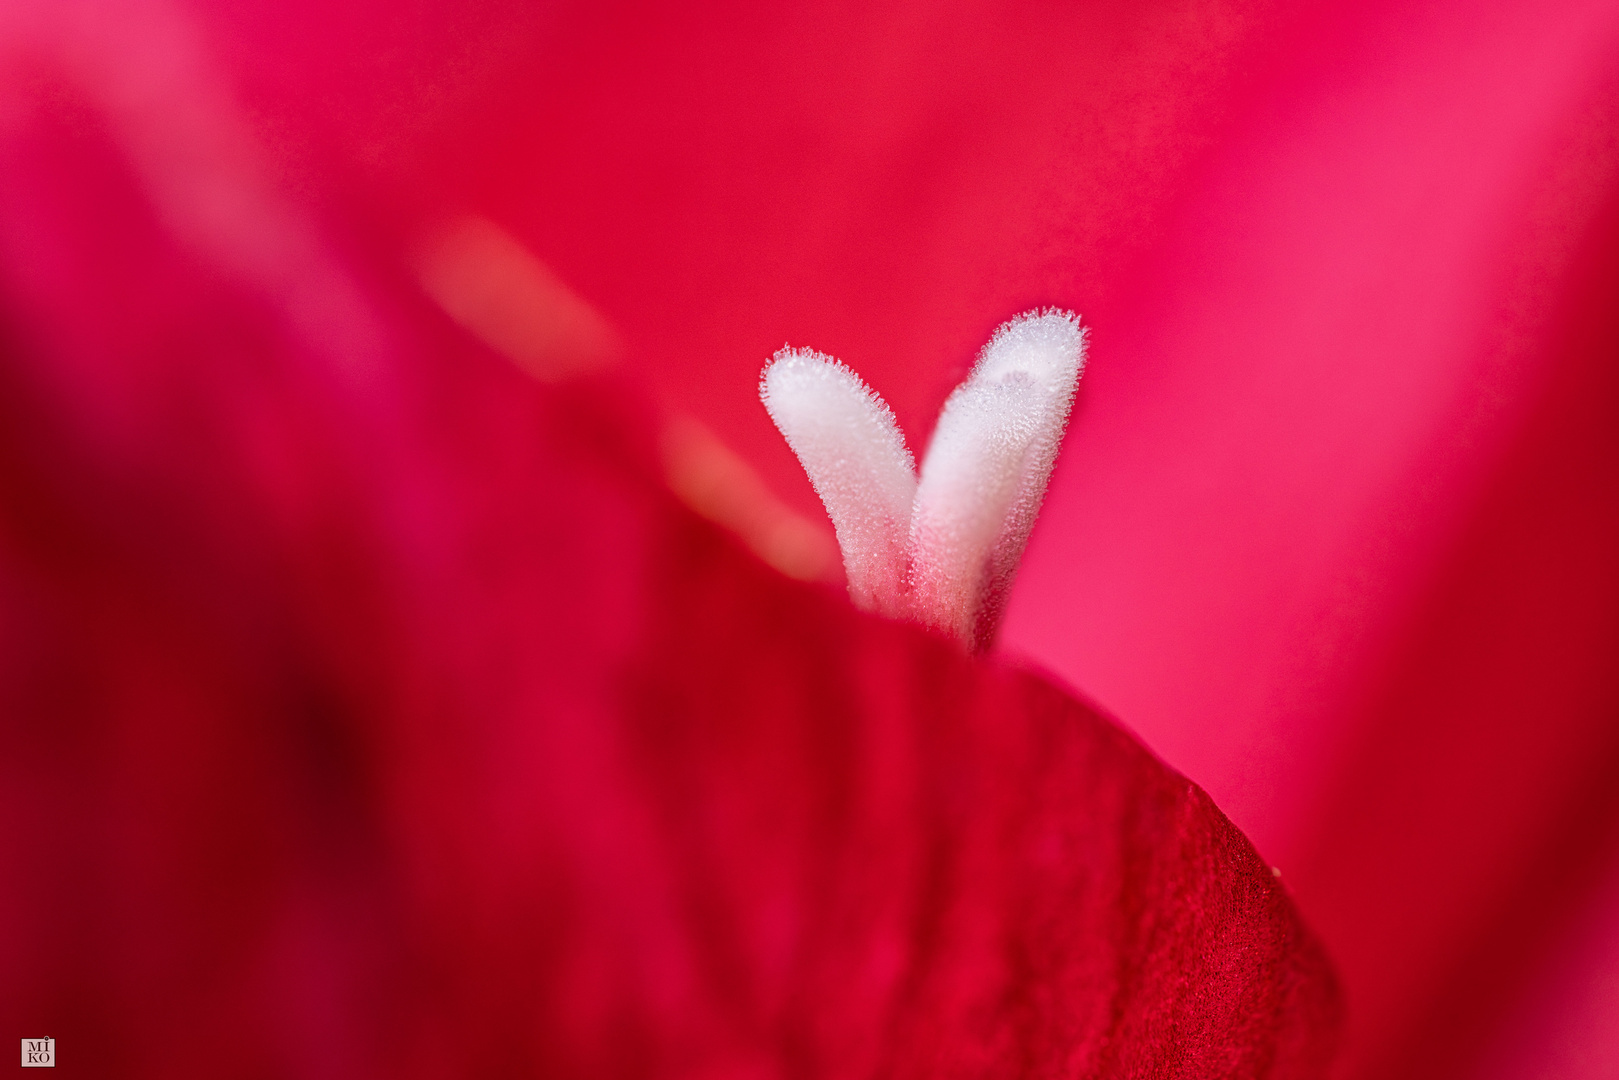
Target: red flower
(1332, 530)
(374, 709)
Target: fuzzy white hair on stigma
(846, 439)
(985, 473)
(944, 550)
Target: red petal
(371, 710)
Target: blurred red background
(1334, 527)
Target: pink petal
(373, 710)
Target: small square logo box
(39, 1053)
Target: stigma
(940, 547)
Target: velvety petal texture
(373, 709)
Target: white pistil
(943, 551)
(847, 440)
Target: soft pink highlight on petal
(1318, 380)
(1300, 393)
